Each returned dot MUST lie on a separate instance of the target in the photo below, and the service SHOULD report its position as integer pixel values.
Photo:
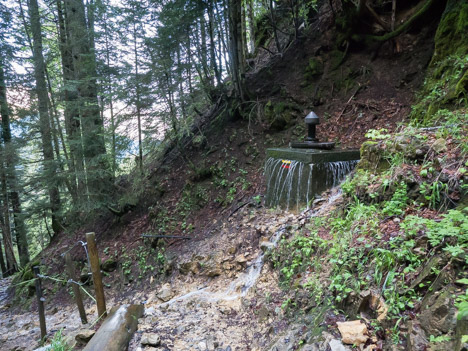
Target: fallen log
(117, 330)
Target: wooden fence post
(75, 287)
(97, 278)
(40, 302)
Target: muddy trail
(223, 299)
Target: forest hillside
(152, 124)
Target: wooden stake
(40, 303)
(97, 278)
(75, 287)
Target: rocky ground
(225, 298)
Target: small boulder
(84, 336)
(166, 293)
(109, 265)
(416, 338)
(266, 245)
(440, 145)
(148, 339)
(337, 345)
(353, 332)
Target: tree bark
(71, 113)
(235, 49)
(137, 95)
(10, 157)
(44, 118)
(211, 24)
(98, 174)
(2, 262)
(110, 98)
(251, 25)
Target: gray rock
(266, 245)
(416, 339)
(84, 336)
(166, 293)
(438, 315)
(440, 145)
(337, 345)
(150, 339)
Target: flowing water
(293, 184)
(238, 288)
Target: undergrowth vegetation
(401, 232)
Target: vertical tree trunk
(189, 64)
(41, 91)
(211, 24)
(11, 265)
(2, 262)
(71, 113)
(137, 102)
(235, 49)
(98, 172)
(244, 31)
(274, 25)
(110, 98)
(251, 25)
(204, 52)
(10, 156)
(181, 86)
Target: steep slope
(212, 194)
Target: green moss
(450, 37)
(314, 68)
(372, 157)
(446, 82)
(281, 114)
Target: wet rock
(84, 336)
(165, 293)
(372, 305)
(241, 260)
(232, 250)
(212, 268)
(192, 266)
(337, 345)
(267, 245)
(438, 314)
(150, 339)
(440, 145)
(109, 265)
(416, 339)
(353, 332)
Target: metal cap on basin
(312, 118)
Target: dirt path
(222, 296)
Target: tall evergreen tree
(50, 167)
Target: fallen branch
(347, 103)
(166, 236)
(399, 30)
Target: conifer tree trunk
(211, 24)
(11, 265)
(71, 113)
(110, 98)
(20, 228)
(2, 262)
(137, 102)
(251, 25)
(235, 49)
(44, 119)
(99, 179)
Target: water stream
(293, 184)
(238, 288)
